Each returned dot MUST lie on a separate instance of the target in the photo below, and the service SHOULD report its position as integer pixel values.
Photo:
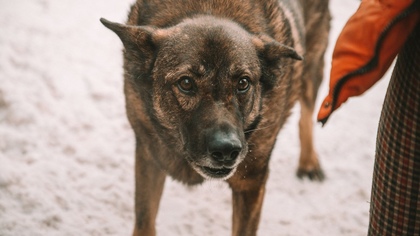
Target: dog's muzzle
(224, 150)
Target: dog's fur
(208, 86)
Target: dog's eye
(186, 84)
(243, 84)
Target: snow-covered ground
(67, 151)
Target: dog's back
(275, 18)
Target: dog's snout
(224, 148)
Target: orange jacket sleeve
(366, 47)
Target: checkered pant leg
(395, 200)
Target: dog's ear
(272, 51)
(135, 37)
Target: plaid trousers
(395, 199)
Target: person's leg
(395, 200)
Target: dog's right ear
(272, 50)
(133, 37)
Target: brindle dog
(209, 84)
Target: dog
(208, 86)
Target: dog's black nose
(224, 147)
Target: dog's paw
(315, 174)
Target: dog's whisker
(261, 128)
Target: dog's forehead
(211, 34)
(207, 24)
(210, 43)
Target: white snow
(67, 151)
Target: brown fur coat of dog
(208, 86)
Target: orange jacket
(366, 47)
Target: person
(365, 49)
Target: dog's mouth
(217, 173)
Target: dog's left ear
(272, 51)
(133, 37)
(138, 38)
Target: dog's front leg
(247, 198)
(246, 212)
(149, 186)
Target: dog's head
(204, 79)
